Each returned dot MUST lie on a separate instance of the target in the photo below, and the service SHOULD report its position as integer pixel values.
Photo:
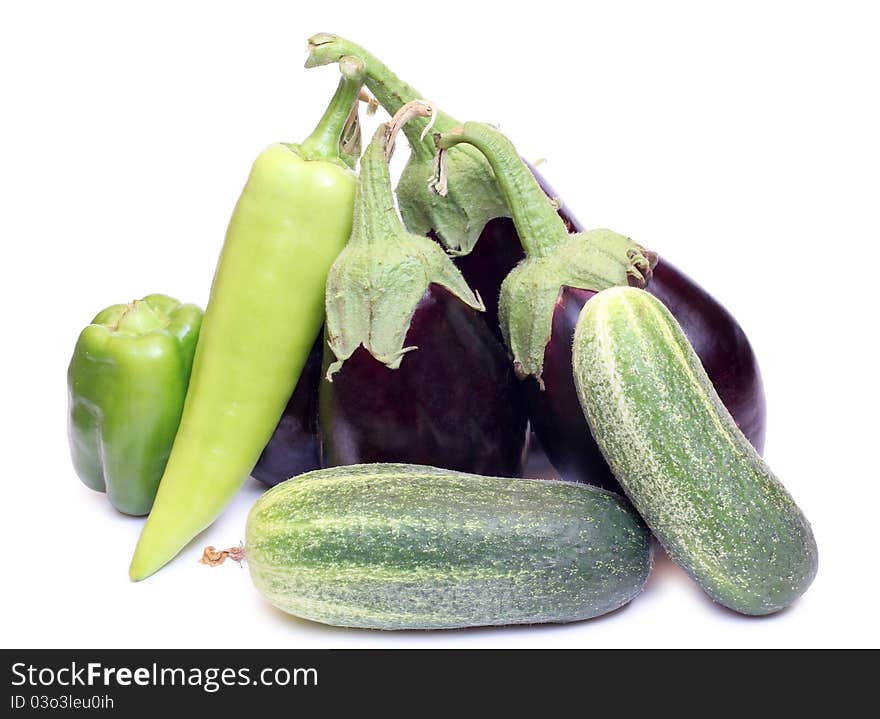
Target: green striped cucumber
(696, 480)
(395, 546)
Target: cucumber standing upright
(263, 316)
(696, 480)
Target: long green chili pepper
(264, 313)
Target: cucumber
(395, 546)
(696, 480)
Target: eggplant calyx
(459, 218)
(376, 283)
(592, 260)
(456, 219)
(372, 294)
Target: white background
(739, 139)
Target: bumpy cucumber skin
(696, 480)
(387, 546)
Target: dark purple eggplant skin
(721, 345)
(717, 338)
(294, 447)
(452, 403)
(497, 252)
(554, 412)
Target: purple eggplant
(718, 340)
(543, 296)
(720, 343)
(294, 447)
(445, 405)
(473, 222)
(497, 251)
(413, 372)
(486, 266)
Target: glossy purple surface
(555, 413)
(371, 417)
(496, 253)
(294, 448)
(721, 345)
(452, 403)
(719, 341)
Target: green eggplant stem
(376, 283)
(376, 217)
(391, 92)
(536, 217)
(458, 220)
(555, 258)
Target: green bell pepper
(126, 384)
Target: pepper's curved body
(264, 313)
(294, 448)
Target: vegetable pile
(382, 372)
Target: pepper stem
(138, 318)
(392, 92)
(324, 142)
(538, 224)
